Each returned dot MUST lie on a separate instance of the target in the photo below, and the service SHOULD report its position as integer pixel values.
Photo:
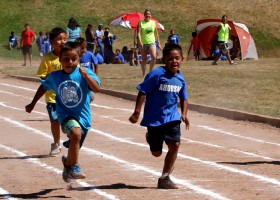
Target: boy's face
(69, 60)
(58, 41)
(83, 48)
(173, 61)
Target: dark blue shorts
(51, 107)
(158, 134)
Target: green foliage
(179, 15)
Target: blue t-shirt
(88, 59)
(173, 39)
(72, 95)
(162, 90)
(73, 34)
(40, 43)
(13, 39)
(99, 58)
(120, 56)
(47, 46)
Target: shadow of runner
(37, 195)
(112, 186)
(275, 162)
(27, 157)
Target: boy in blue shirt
(118, 58)
(13, 40)
(72, 86)
(162, 87)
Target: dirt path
(219, 158)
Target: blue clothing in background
(73, 34)
(88, 59)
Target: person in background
(147, 35)
(195, 46)
(127, 54)
(108, 48)
(99, 56)
(28, 37)
(118, 58)
(40, 44)
(223, 32)
(160, 90)
(73, 30)
(13, 40)
(49, 64)
(173, 38)
(46, 43)
(90, 39)
(87, 58)
(99, 35)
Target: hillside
(261, 16)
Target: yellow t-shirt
(50, 63)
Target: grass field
(250, 86)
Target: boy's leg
(74, 147)
(170, 157)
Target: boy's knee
(76, 134)
(156, 153)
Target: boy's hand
(134, 117)
(83, 72)
(29, 108)
(186, 121)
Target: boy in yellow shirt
(49, 63)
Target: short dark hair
(69, 46)
(171, 47)
(55, 32)
(80, 41)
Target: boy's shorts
(67, 125)
(27, 50)
(156, 135)
(51, 108)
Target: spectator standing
(13, 40)
(108, 48)
(47, 44)
(40, 44)
(28, 37)
(223, 32)
(147, 35)
(195, 46)
(173, 38)
(99, 34)
(90, 39)
(73, 30)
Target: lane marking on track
(193, 141)
(37, 162)
(180, 155)
(132, 166)
(5, 194)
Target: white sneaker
(55, 149)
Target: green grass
(262, 18)
(251, 86)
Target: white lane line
(132, 166)
(180, 155)
(236, 135)
(192, 141)
(6, 195)
(37, 162)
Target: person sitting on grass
(118, 58)
(13, 40)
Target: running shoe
(73, 172)
(166, 183)
(55, 149)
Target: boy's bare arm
(139, 102)
(184, 109)
(91, 82)
(40, 92)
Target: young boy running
(50, 63)
(72, 87)
(162, 87)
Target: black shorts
(27, 49)
(158, 134)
